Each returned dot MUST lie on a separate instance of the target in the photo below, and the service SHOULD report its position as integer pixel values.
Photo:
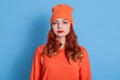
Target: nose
(59, 25)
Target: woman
(61, 58)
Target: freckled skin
(62, 25)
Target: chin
(61, 36)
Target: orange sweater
(57, 67)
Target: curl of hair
(72, 49)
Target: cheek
(67, 28)
(54, 29)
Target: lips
(60, 31)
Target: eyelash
(65, 22)
(54, 23)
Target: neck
(62, 41)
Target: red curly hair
(72, 49)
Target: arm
(85, 73)
(36, 66)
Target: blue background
(24, 24)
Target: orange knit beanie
(62, 11)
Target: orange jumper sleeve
(36, 66)
(85, 72)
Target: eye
(54, 23)
(65, 22)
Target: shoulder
(40, 49)
(41, 46)
(84, 51)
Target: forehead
(60, 19)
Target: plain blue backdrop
(24, 25)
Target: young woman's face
(61, 27)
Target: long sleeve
(36, 66)
(85, 72)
